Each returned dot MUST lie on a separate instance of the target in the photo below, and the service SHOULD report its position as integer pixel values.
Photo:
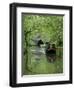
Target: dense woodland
(50, 29)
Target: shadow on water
(45, 65)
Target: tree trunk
(26, 60)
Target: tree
(50, 28)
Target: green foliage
(49, 27)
